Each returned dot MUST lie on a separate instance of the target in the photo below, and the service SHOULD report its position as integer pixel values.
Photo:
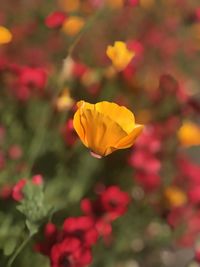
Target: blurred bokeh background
(144, 202)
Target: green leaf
(9, 246)
(33, 205)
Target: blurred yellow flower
(69, 5)
(120, 55)
(115, 3)
(90, 77)
(110, 72)
(105, 127)
(174, 197)
(64, 101)
(5, 35)
(73, 25)
(189, 134)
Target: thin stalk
(85, 28)
(19, 249)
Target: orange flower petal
(129, 140)
(119, 114)
(102, 133)
(5, 35)
(78, 126)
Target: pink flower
(144, 161)
(149, 140)
(189, 172)
(144, 157)
(149, 181)
(190, 219)
(37, 179)
(132, 3)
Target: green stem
(86, 27)
(78, 37)
(38, 139)
(20, 248)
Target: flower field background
(99, 133)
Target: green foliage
(33, 206)
(10, 233)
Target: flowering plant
(99, 133)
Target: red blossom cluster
(24, 81)
(111, 203)
(188, 179)
(29, 80)
(145, 159)
(187, 214)
(17, 190)
(71, 246)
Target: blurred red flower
(55, 19)
(33, 77)
(70, 253)
(81, 227)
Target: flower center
(64, 261)
(113, 203)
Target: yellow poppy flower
(105, 127)
(73, 25)
(174, 197)
(120, 55)
(5, 35)
(189, 134)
